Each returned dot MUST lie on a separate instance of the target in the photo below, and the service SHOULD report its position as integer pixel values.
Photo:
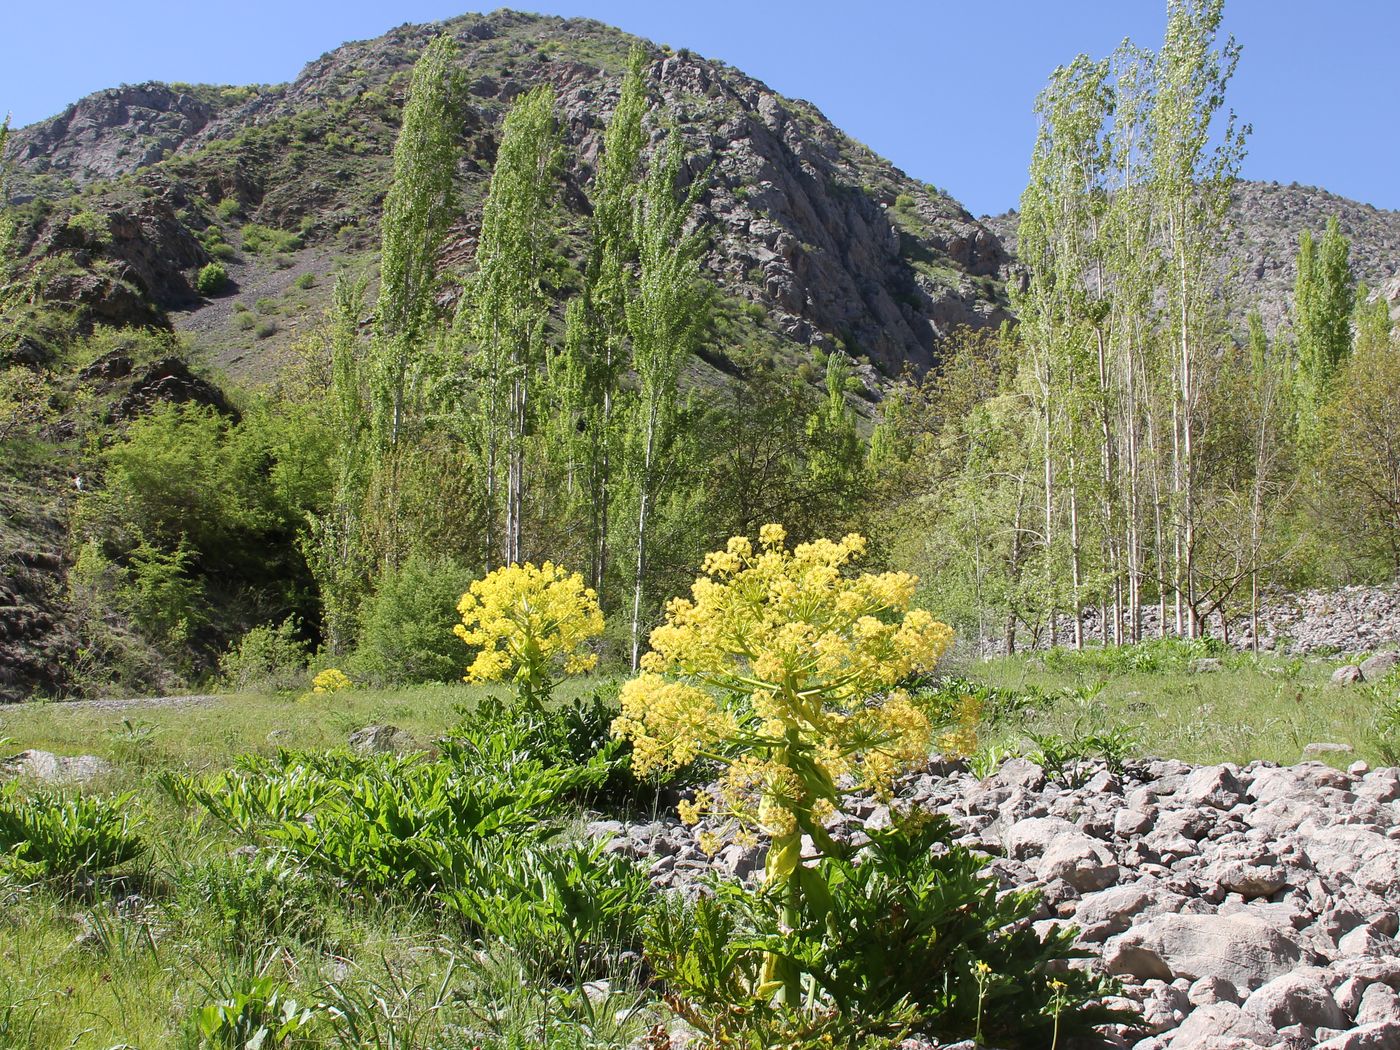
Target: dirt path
(135, 703)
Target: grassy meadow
(202, 941)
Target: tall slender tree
(505, 310)
(418, 210)
(1323, 301)
(1196, 160)
(664, 319)
(597, 352)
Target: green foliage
(1068, 759)
(67, 839)
(575, 907)
(255, 1014)
(388, 823)
(211, 279)
(264, 240)
(417, 211)
(26, 404)
(266, 658)
(1323, 300)
(907, 905)
(406, 624)
(941, 699)
(1160, 655)
(160, 594)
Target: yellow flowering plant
(526, 622)
(785, 667)
(331, 680)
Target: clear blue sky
(943, 88)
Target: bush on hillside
(212, 279)
(406, 625)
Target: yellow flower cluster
(523, 620)
(785, 666)
(962, 739)
(331, 680)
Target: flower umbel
(785, 667)
(526, 621)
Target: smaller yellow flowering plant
(331, 680)
(784, 667)
(526, 622)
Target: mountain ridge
(822, 243)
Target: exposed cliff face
(1266, 219)
(836, 246)
(112, 132)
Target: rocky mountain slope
(816, 240)
(1266, 219)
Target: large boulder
(1376, 667)
(1223, 1024)
(1244, 949)
(1302, 997)
(385, 739)
(1080, 861)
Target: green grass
(130, 959)
(1251, 709)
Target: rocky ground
(1356, 619)
(1240, 907)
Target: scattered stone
(378, 740)
(1376, 667)
(55, 769)
(1300, 998)
(1383, 1036)
(1349, 674)
(1245, 950)
(1322, 748)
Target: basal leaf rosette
(784, 666)
(525, 621)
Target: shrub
(67, 838)
(265, 329)
(575, 908)
(266, 659)
(227, 208)
(222, 251)
(524, 622)
(212, 279)
(265, 240)
(406, 625)
(306, 280)
(788, 672)
(257, 1013)
(160, 594)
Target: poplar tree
(664, 319)
(1372, 322)
(1323, 302)
(596, 338)
(335, 548)
(418, 210)
(1195, 163)
(506, 307)
(1061, 214)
